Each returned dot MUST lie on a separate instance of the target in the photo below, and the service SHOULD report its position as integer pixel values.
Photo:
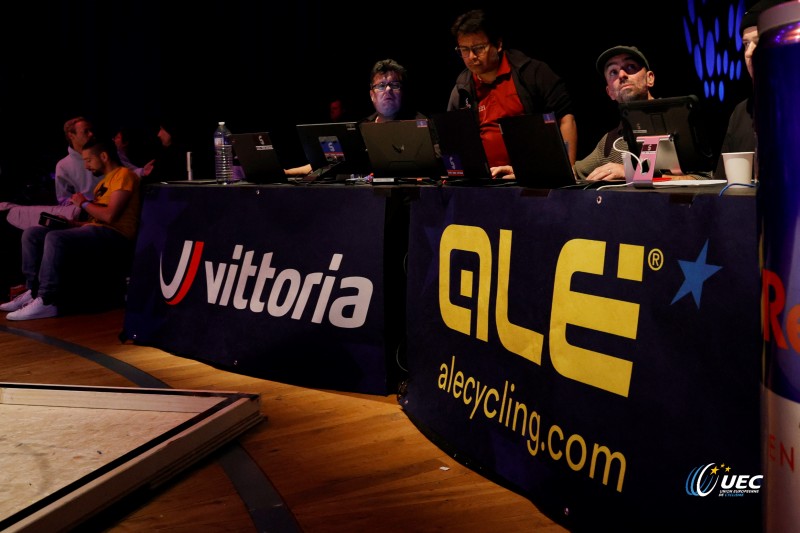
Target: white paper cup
(738, 167)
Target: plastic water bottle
(223, 154)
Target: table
(597, 351)
(299, 284)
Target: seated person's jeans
(91, 251)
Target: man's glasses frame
(478, 49)
(382, 86)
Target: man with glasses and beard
(500, 82)
(387, 90)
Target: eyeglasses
(478, 49)
(382, 86)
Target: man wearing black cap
(628, 78)
(740, 135)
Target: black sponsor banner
(284, 283)
(597, 351)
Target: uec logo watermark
(703, 480)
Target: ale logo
(608, 371)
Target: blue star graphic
(695, 273)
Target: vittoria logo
(175, 291)
(247, 284)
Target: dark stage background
(263, 65)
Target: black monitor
(682, 118)
(334, 147)
(401, 149)
(460, 143)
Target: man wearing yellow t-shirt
(109, 232)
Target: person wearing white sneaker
(18, 302)
(36, 308)
(109, 233)
(70, 176)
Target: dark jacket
(539, 88)
(169, 164)
(740, 135)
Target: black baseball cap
(751, 15)
(617, 50)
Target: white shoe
(34, 309)
(19, 302)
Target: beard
(631, 94)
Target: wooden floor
(339, 462)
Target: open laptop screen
(680, 117)
(461, 147)
(402, 149)
(336, 147)
(537, 151)
(258, 157)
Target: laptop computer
(461, 147)
(669, 135)
(401, 149)
(258, 157)
(334, 149)
(537, 151)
